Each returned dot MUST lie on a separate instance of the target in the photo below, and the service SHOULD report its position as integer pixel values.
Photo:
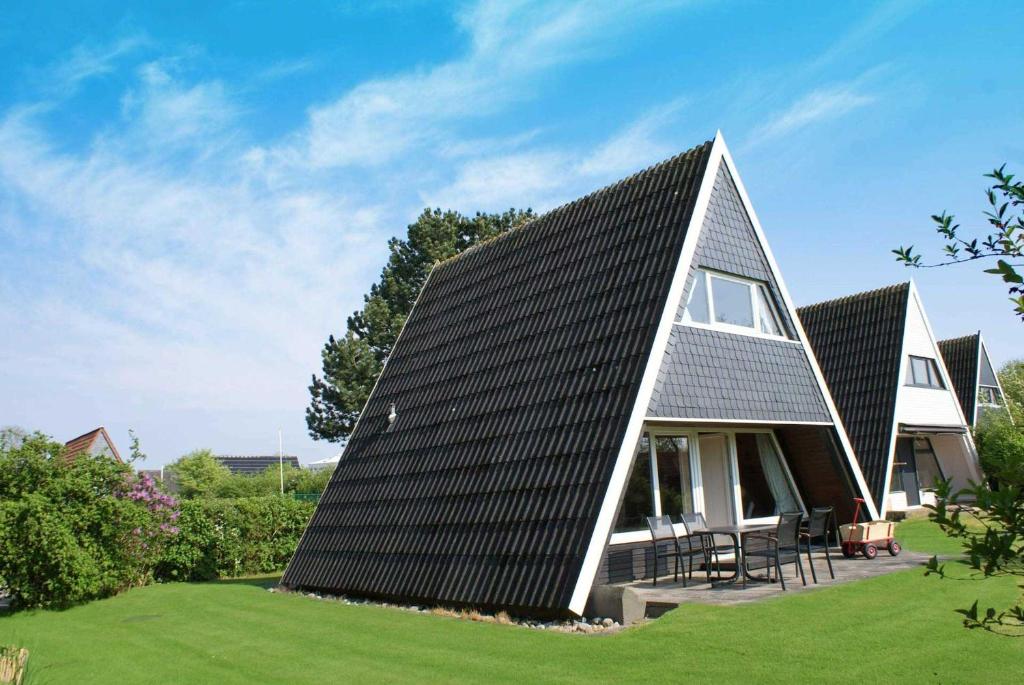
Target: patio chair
(666, 544)
(695, 521)
(778, 548)
(820, 526)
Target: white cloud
(167, 112)
(636, 146)
(548, 176)
(172, 264)
(510, 43)
(819, 105)
(89, 61)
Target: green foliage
(991, 533)
(204, 481)
(136, 448)
(234, 537)
(352, 362)
(198, 474)
(1005, 241)
(1011, 377)
(1001, 448)
(74, 531)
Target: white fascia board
(977, 382)
(844, 439)
(738, 422)
(613, 493)
(973, 462)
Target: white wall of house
(954, 455)
(924, 406)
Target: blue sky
(192, 198)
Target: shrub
(234, 537)
(1001, 450)
(75, 531)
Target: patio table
(736, 533)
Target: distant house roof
(249, 465)
(858, 340)
(961, 357)
(970, 368)
(96, 442)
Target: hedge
(233, 537)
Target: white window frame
(752, 287)
(932, 369)
(995, 393)
(697, 479)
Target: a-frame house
(894, 393)
(974, 378)
(632, 353)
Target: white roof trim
(738, 422)
(624, 460)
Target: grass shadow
(256, 581)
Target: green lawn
(895, 628)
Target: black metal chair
(778, 548)
(695, 521)
(666, 545)
(820, 526)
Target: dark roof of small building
(251, 464)
(85, 443)
(858, 341)
(512, 381)
(961, 358)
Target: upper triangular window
(731, 303)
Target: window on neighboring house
(924, 373)
(732, 303)
(989, 396)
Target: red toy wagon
(867, 537)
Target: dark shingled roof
(252, 464)
(961, 358)
(513, 381)
(858, 341)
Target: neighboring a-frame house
(975, 380)
(629, 354)
(94, 443)
(884, 370)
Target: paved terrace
(642, 599)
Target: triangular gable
(986, 372)
(710, 374)
(96, 442)
(720, 168)
(919, 406)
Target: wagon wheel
(894, 548)
(870, 551)
(848, 550)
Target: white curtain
(774, 474)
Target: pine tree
(352, 362)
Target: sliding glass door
(731, 476)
